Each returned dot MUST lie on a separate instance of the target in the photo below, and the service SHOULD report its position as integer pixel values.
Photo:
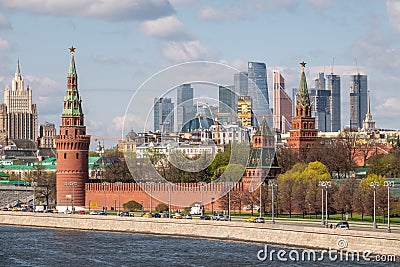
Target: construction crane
(102, 138)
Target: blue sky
(122, 43)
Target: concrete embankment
(268, 234)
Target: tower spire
(72, 68)
(18, 70)
(303, 99)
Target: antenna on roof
(358, 72)
(333, 64)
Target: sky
(123, 46)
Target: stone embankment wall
(267, 234)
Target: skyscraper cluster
(246, 102)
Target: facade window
(65, 155)
(77, 155)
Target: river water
(26, 246)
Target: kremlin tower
(303, 133)
(72, 145)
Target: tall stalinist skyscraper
(72, 145)
(18, 116)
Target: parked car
(205, 217)
(224, 218)
(259, 220)
(93, 212)
(147, 215)
(187, 216)
(156, 215)
(167, 215)
(102, 213)
(217, 217)
(81, 212)
(124, 214)
(343, 225)
(251, 219)
(178, 216)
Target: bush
(161, 207)
(132, 206)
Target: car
(205, 217)
(343, 225)
(251, 219)
(259, 220)
(147, 215)
(178, 216)
(15, 209)
(223, 218)
(217, 217)
(167, 215)
(102, 212)
(81, 212)
(156, 215)
(187, 216)
(124, 214)
(93, 212)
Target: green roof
(303, 99)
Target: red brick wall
(182, 195)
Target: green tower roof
(72, 100)
(303, 99)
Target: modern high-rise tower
(227, 104)
(358, 100)
(258, 91)
(184, 106)
(163, 115)
(282, 105)
(320, 102)
(333, 85)
(18, 115)
(241, 82)
(72, 147)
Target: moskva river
(25, 246)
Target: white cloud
(126, 123)
(212, 13)
(167, 27)
(105, 9)
(4, 23)
(4, 45)
(393, 11)
(184, 51)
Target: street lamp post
(118, 184)
(105, 196)
(322, 204)
(212, 205)
(73, 184)
(66, 194)
(229, 201)
(272, 185)
(374, 185)
(325, 184)
(141, 201)
(388, 184)
(169, 201)
(260, 201)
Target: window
(65, 155)
(77, 155)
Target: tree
(161, 207)
(344, 197)
(132, 205)
(364, 198)
(45, 184)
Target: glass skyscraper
(163, 115)
(333, 85)
(358, 100)
(258, 91)
(227, 106)
(184, 106)
(241, 83)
